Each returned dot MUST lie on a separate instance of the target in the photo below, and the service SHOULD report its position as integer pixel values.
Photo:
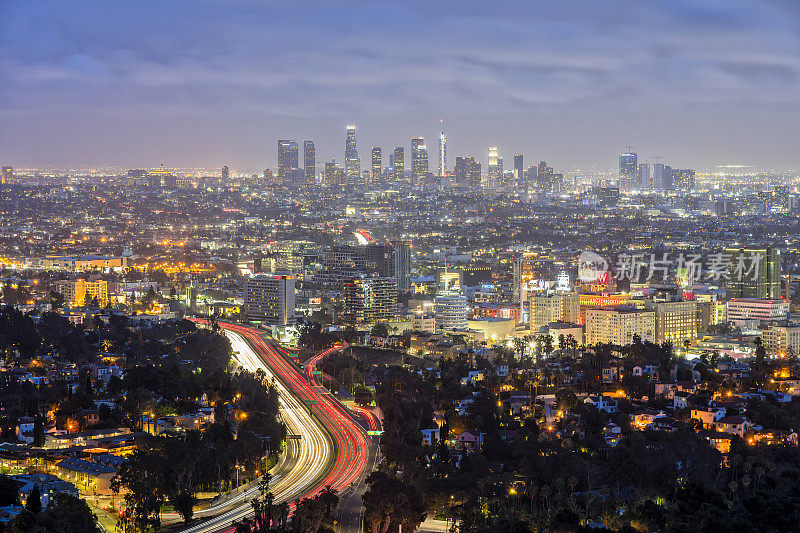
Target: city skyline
(569, 83)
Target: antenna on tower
(656, 157)
(630, 149)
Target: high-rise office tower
(644, 177)
(225, 173)
(658, 176)
(493, 168)
(519, 172)
(352, 164)
(398, 164)
(419, 165)
(544, 177)
(628, 168)
(377, 163)
(754, 273)
(442, 154)
(310, 161)
(287, 159)
(417, 151)
(468, 173)
(531, 176)
(402, 265)
(334, 175)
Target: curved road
(332, 449)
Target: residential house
(734, 425)
(708, 416)
(603, 403)
(430, 436)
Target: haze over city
(205, 83)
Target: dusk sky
(206, 83)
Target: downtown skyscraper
(628, 170)
(442, 154)
(309, 161)
(352, 164)
(519, 171)
(397, 163)
(419, 161)
(287, 159)
(494, 168)
(377, 163)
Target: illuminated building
(7, 175)
(497, 310)
(369, 299)
(676, 322)
(645, 178)
(397, 163)
(763, 311)
(287, 159)
(80, 292)
(451, 309)
(628, 168)
(593, 301)
(334, 175)
(544, 177)
(352, 164)
(225, 173)
(419, 161)
(442, 154)
(270, 299)
(468, 173)
(754, 273)
(683, 178)
(618, 325)
(377, 164)
(519, 172)
(659, 177)
(779, 340)
(402, 265)
(494, 168)
(309, 161)
(557, 307)
(84, 263)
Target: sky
(572, 82)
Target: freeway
(309, 458)
(333, 450)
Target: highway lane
(350, 449)
(311, 456)
(352, 443)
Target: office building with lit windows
(287, 159)
(369, 299)
(270, 299)
(309, 161)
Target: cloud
(594, 65)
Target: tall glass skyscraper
(287, 159)
(309, 160)
(519, 171)
(628, 169)
(442, 154)
(377, 163)
(352, 164)
(398, 164)
(493, 169)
